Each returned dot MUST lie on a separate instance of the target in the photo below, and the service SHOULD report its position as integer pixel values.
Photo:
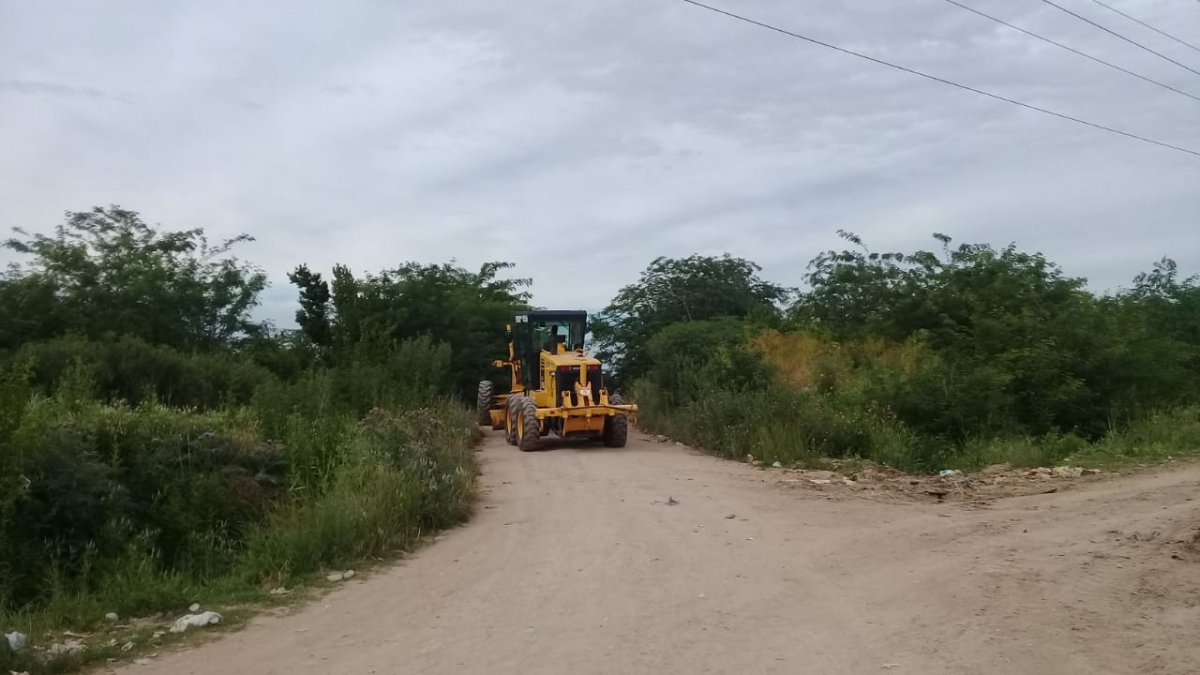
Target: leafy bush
(381, 372)
(158, 444)
(921, 361)
(402, 475)
(158, 502)
(360, 322)
(1018, 348)
(131, 370)
(779, 423)
(693, 357)
(90, 481)
(105, 273)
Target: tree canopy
(466, 310)
(1014, 345)
(106, 273)
(957, 342)
(672, 290)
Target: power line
(1115, 33)
(939, 79)
(1073, 50)
(1139, 21)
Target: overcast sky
(581, 139)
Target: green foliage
(286, 354)
(14, 394)
(401, 475)
(777, 423)
(132, 370)
(390, 373)
(313, 315)
(697, 288)
(1160, 435)
(1020, 348)
(30, 307)
(920, 360)
(378, 373)
(156, 445)
(375, 315)
(93, 484)
(692, 357)
(135, 509)
(1169, 308)
(105, 273)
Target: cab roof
(554, 314)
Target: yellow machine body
(555, 388)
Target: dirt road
(655, 559)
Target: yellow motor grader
(556, 387)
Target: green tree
(372, 315)
(112, 274)
(855, 293)
(691, 358)
(30, 307)
(313, 315)
(1170, 304)
(669, 291)
(1021, 347)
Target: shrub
(112, 507)
(90, 480)
(131, 370)
(400, 475)
(779, 423)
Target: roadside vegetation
(159, 446)
(957, 358)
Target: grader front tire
(529, 433)
(483, 403)
(616, 428)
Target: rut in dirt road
(656, 559)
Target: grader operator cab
(556, 387)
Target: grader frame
(556, 387)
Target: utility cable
(1116, 34)
(935, 78)
(1139, 21)
(1073, 50)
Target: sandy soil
(656, 559)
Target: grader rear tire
(483, 403)
(529, 433)
(616, 428)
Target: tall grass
(396, 476)
(893, 403)
(131, 370)
(108, 506)
(778, 423)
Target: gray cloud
(349, 90)
(36, 88)
(581, 140)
